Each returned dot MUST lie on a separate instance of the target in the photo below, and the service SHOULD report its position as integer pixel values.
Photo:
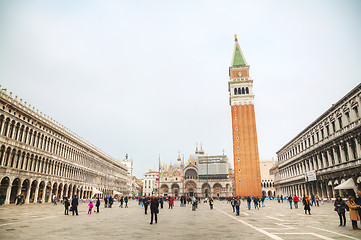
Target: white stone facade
(330, 146)
(39, 158)
(267, 177)
(150, 183)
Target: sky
(151, 77)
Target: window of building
(356, 111)
(347, 116)
(236, 128)
(247, 91)
(313, 139)
(235, 91)
(340, 122)
(235, 108)
(327, 130)
(333, 126)
(239, 170)
(322, 135)
(238, 160)
(318, 139)
(235, 118)
(239, 91)
(237, 138)
(243, 91)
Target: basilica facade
(40, 158)
(191, 178)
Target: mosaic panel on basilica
(40, 159)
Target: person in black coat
(74, 205)
(126, 201)
(340, 207)
(146, 202)
(154, 204)
(106, 201)
(66, 205)
(98, 204)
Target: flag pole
(159, 176)
(183, 171)
(207, 177)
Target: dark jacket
(154, 204)
(66, 203)
(342, 207)
(75, 202)
(98, 203)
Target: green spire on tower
(238, 58)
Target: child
(90, 207)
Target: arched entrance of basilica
(191, 189)
(217, 190)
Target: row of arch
(331, 156)
(17, 159)
(267, 184)
(318, 134)
(241, 90)
(41, 141)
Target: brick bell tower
(247, 175)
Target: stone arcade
(39, 158)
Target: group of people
(353, 205)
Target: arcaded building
(325, 154)
(245, 145)
(40, 158)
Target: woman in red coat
(170, 201)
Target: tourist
(145, 202)
(278, 198)
(290, 201)
(282, 198)
(353, 208)
(194, 203)
(211, 203)
(262, 200)
(307, 205)
(161, 202)
(90, 204)
(111, 201)
(358, 202)
(340, 207)
(106, 201)
(255, 202)
(54, 200)
(170, 201)
(233, 203)
(97, 204)
(18, 199)
(296, 200)
(317, 200)
(74, 205)
(66, 206)
(249, 203)
(237, 203)
(126, 201)
(313, 200)
(121, 202)
(154, 204)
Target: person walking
(170, 201)
(233, 203)
(66, 206)
(194, 203)
(97, 204)
(105, 201)
(282, 198)
(307, 205)
(237, 203)
(358, 202)
(121, 202)
(353, 208)
(211, 203)
(126, 201)
(161, 200)
(255, 202)
(249, 202)
(290, 201)
(313, 200)
(74, 205)
(91, 205)
(340, 207)
(145, 202)
(54, 200)
(296, 200)
(154, 209)
(262, 200)
(111, 201)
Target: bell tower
(247, 173)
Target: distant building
(128, 163)
(325, 154)
(267, 177)
(150, 183)
(190, 179)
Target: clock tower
(247, 173)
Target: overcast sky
(150, 77)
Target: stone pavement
(275, 221)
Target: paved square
(275, 221)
